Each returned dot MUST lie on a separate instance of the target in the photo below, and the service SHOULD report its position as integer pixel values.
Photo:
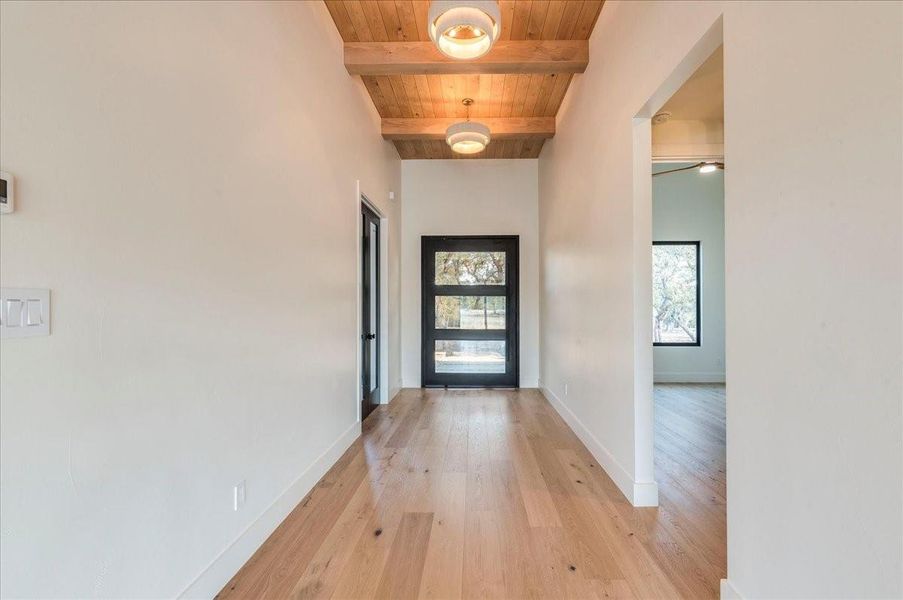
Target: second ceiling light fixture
(467, 137)
(465, 31)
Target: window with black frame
(469, 311)
(676, 294)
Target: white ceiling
(701, 98)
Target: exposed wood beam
(433, 128)
(422, 58)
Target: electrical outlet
(238, 495)
(565, 390)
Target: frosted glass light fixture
(464, 29)
(467, 137)
(708, 168)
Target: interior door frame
(510, 244)
(354, 210)
(369, 395)
(643, 489)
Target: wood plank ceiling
(429, 96)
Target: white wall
(814, 283)
(470, 197)
(689, 206)
(186, 176)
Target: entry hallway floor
(489, 494)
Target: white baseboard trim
(696, 377)
(728, 591)
(643, 493)
(393, 393)
(230, 560)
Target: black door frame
(369, 331)
(429, 245)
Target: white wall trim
(643, 354)
(644, 493)
(358, 300)
(217, 574)
(690, 377)
(668, 153)
(728, 591)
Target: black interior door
(469, 305)
(370, 311)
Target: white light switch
(238, 495)
(33, 313)
(14, 313)
(24, 312)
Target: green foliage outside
(470, 268)
(674, 293)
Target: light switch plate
(24, 312)
(7, 197)
(239, 495)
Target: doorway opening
(688, 230)
(680, 307)
(469, 311)
(370, 311)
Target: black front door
(469, 311)
(370, 311)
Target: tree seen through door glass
(470, 268)
(470, 312)
(675, 279)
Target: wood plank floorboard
(489, 494)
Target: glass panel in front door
(470, 312)
(470, 268)
(470, 356)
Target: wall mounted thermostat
(6, 192)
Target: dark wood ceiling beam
(422, 58)
(433, 128)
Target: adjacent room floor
(489, 494)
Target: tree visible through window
(675, 293)
(470, 268)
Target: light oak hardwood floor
(489, 494)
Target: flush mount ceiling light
(464, 30)
(467, 137)
(661, 117)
